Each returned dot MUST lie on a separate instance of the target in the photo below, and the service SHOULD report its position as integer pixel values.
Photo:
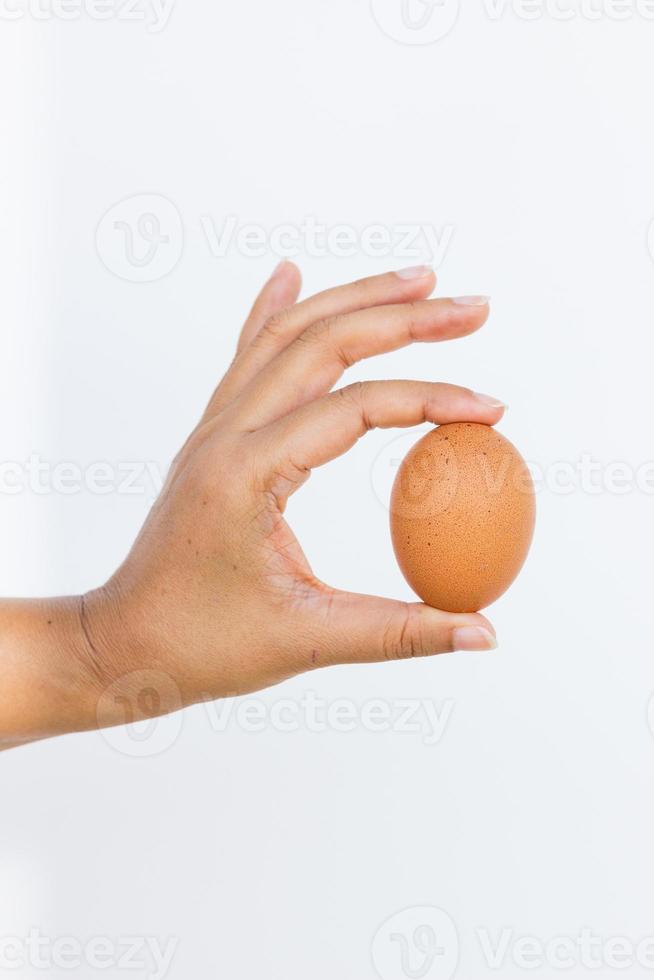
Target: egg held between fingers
(462, 516)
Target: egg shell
(462, 516)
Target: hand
(216, 592)
(216, 597)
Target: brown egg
(462, 516)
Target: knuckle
(325, 334)
(318, 332)
(276, 328)
(404, 638)
(354, 393)
(412, 313)
(356, 396)
(441, 397)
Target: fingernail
(473, 638)
(471, 300)
(490, 401)
(415, 272)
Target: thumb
(366, 629)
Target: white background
(279, 855)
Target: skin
(216, 597)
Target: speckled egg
(462, 516)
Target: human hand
(216, 592)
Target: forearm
(47, 678)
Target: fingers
(263, 343)
(327, 428)
(281, 291)
(363, 629)
(314, 362)
(392, 287)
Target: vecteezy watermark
(317, 239)
(155, 14)
(139, 715)
(650, 237)
(133, 717)
(417, 944)
(146, 478)
(416, 21)
(422, 943)
(141, 239)
(586, 475)
(426, 21)
(650, 715)
(36, 951)
(44, 477)
(570, 10)
(585, 951)
(317, 715)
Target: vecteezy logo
(426, 490)
(650, 239)
(416, 21)
(141, 239)
(417, 944)
(147, 703)
(650, 715)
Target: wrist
(47, 686)
(128, 681)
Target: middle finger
(313, 363)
